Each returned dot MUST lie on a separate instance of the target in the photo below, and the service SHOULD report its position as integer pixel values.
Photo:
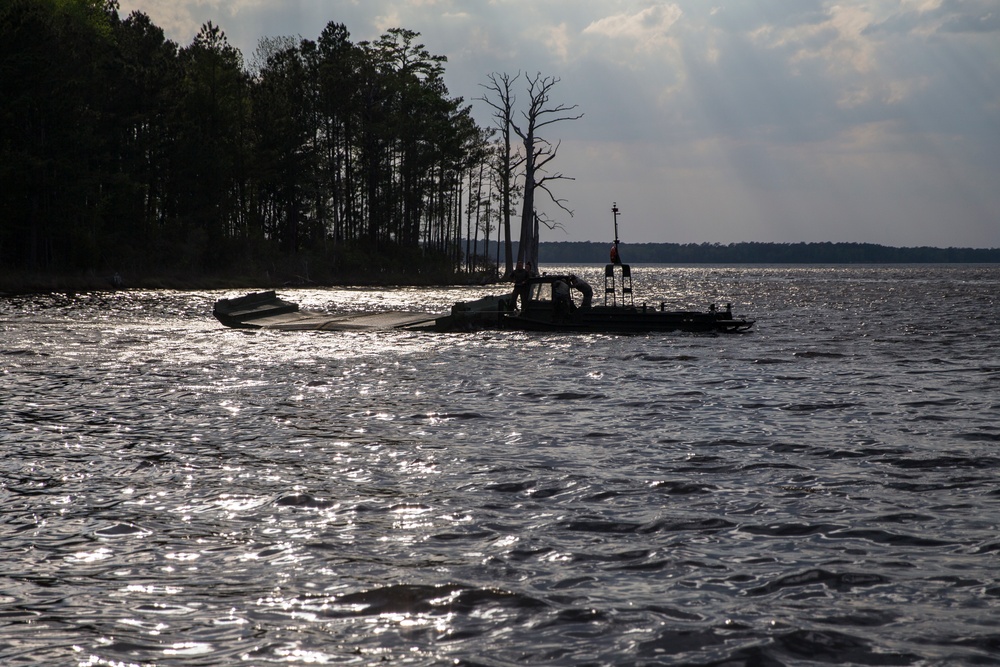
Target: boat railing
(615, 285)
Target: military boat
(549, 306)
(539, 303)
(546, 304)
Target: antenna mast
(615, 258)
(614, 209)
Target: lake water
(824, 489)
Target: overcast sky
(764, 120)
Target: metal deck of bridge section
(305, 320)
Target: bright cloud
(838, 44)
(557, 39)
(645, 30)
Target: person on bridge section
(520, 277)
(584, 288)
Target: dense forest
(761, 253)
(122, 152)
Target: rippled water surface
(823, 489)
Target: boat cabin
(552, 292)
(540, 288)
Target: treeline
(761, 253)
(121, 151)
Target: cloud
(646, 30)
(942, 17)
(838, 45)
(556, 39)
(178, 20)
(634, 65)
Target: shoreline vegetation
(765, 253)
(297, 274)
(21, 283)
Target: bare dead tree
(500, 97)
(539, 152)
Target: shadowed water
(824, 489)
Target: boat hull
(611, 319)
(264, 310)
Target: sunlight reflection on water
(180, 492)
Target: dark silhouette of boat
(550, 307)
(546, 304)
(542, 303)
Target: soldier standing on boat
(584, 288)
(561, 301)
(520, 276)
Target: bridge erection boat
(539, 303)
(549, 306)
(546, 304)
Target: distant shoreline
(762, 253)
(15, 284)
